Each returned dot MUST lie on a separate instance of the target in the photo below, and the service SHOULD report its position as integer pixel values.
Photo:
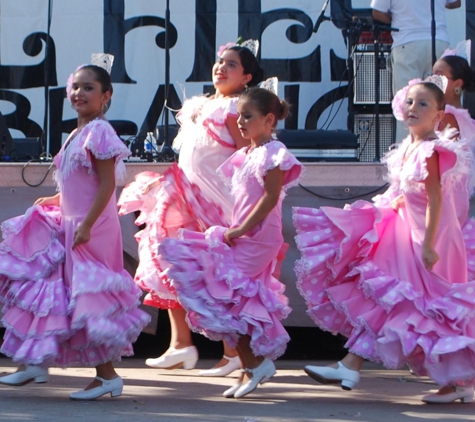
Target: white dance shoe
(328, 375)
(233, 364)
(231, 391)
(113, 386)
(260, 375)
(464, 394)
(29, 374)
(175, 358)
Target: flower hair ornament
(400, 97)
(251, 45)
(462, 49)
(271, 84)
(97, 59)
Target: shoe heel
(467, 399)
(190, 363)
(115, 393)
(347, 385)
(41, 379)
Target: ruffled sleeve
(215, 113)
(447, 159)
(277, 155)
(97, 139)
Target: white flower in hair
(439, 80)
(252, 45)
(462, 49)
(271, 84)
(103, 60)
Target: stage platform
(323, 184)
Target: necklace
(409, 151)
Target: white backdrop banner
(310, 66)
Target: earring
(105, 107)
(458, 91)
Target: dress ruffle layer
(386, 319)
(221, 301)
(92, 321)
(174, 204)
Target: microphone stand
(44, 136)
(432, 30)
(166, 152)
(322, 17)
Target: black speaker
(6, 143)
(320, 145)
(25, 149)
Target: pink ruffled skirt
(228, 292)
(405, 315)
(174, 204)
(63, 310)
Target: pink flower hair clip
(400, 98)
(69, 82)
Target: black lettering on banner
(322, 104)
(22, 77)
(157, 107)
(19, 118)
(205, 41)
(252, 24)
(115, 29)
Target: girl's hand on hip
(429, 257)
(397, 202)
(81, 235)
(231, 234)
(48, 201)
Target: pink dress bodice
(204, 143)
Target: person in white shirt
(411, 52)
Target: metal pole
(44, 135)
(433, 30)
(166, 152)
(377, 156)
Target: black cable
(44, 158)
(343, 199)
(350, 83)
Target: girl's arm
(231, 124)
(272, 188)
(151, 184)
(106, 172)
(433, 210)
(49, 200)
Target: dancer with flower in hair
(454, 65)
(392, 277)
(224, 276)
(190, 195)
(68, 299)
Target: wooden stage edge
(324, 184)
(316, 174)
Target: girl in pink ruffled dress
(392, 278)
(68, 300)
(460, 78)
(190, 195)
(224, 276)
